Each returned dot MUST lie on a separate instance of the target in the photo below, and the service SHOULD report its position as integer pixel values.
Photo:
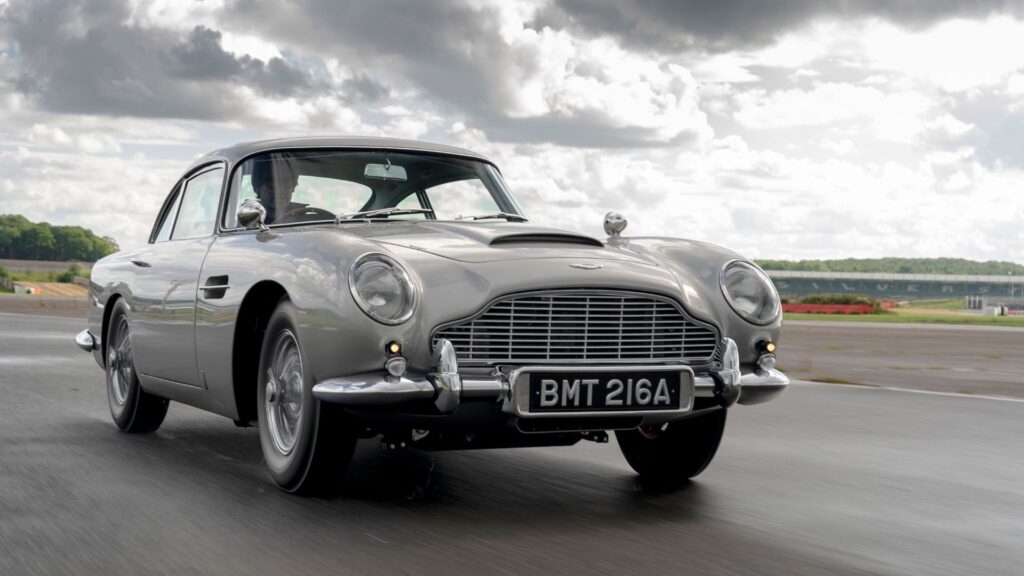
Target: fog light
(395, 366)
(766, 362)
(394, 347)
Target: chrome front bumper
(446, 387)
(85, 341)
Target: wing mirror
(251, 215)
(614, 224)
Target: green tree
(20, 238)
(38, 241)
(899, 265)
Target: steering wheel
(310, 211)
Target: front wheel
(307, 444)
(132, 408)
(668, 455)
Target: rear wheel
(132, 408)
(669, 455)
(307, 444)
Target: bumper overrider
(446, 387)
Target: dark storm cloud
(450, 50)
(201, 57)
(676, 25)
(362, 88)
(453, 51)
(83, 57)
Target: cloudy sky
(787, 128)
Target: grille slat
(583, 325)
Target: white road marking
(33, 360)
(912, 391)
(38, 336)
(857, 324)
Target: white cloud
(1015, 85)
(894, 116)
(944, 157)
(825, 143)
(564, 76)
(113, 195)
(950, 125)
(955, 55)
(841, 147)
(86, 143)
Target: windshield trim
(226, 192)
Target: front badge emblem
(585, 265)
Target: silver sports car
(332, 289)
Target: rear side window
(199, 201)
(168, 223)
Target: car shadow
(484, 486)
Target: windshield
(299, 187)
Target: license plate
(565, 391)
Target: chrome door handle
(141, 263)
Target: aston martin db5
(328, 290)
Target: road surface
(946, 358)
(826, 480)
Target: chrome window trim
(583, 292)
(183, 188)
(178, 189)
(225, 194)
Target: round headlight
(382, 288)
(750, 292)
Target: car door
(166, 282)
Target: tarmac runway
(945, 358)
(828, 479)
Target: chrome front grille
(575, 325)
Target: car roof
(233, 154)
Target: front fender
(697, 267)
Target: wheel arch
(251, 323)
(108, 310)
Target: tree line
(25, 240)
(899, 266)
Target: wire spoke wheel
(283, 402)
(132, 408)
(119, 362)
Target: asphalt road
(945, 358)
(826, 480)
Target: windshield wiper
(506, 215)
(381, 213)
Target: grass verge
(914, 317)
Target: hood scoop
(545, 238)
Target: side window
(199, 200)
(168, 222)
(410, 201)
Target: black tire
(132, 408)
(669, 457)
(323, 441)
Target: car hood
(494, 241)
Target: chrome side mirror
(251, 215)
(614, 224)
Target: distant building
(995, 290)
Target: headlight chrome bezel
(404, 278)
(768, 284)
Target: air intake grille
(581, 325)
